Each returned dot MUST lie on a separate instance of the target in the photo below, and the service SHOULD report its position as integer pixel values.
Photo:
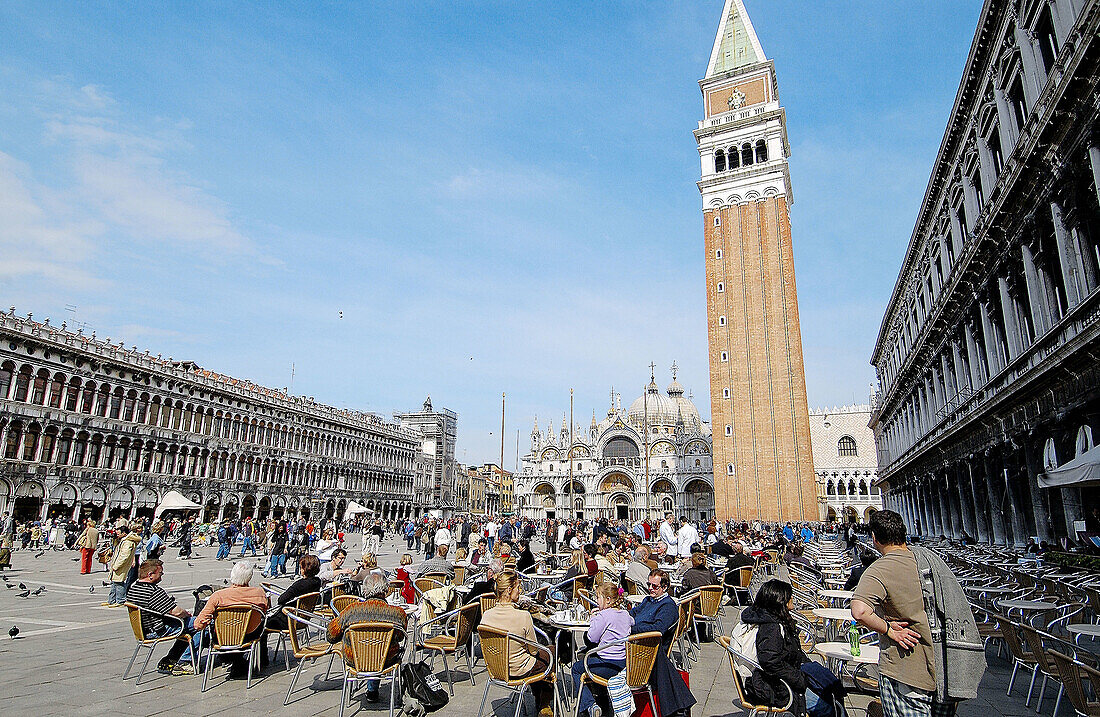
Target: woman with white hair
(238, 593)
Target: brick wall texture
(766, 408)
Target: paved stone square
(71, 652)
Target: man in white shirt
(668, 534)
(686, 536)
(562, 528)
(491, 533)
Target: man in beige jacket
(121, 563)
(87, 542)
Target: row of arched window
(744, 156)
(67, 447)
(92, 398)
(850, 487)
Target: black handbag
(422, 685)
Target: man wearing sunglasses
(658, 612)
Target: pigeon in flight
(13, 632)
(91, 588)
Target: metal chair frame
(304, 651)
(143, 641)
(250, 647)
(385, 671)
(456, 621)
(517, 685)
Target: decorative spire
(736, 44)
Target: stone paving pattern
(70, 654)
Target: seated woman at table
(308, 566)
(865, 558)
(698, 574)
(658, 612)
(461, 554)
(523, 660)
(610, 622)
(780, 654)
(577, 567)
(481, 555)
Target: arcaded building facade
(845, 463)
(609, 468)
(763, 467)
(90, 428)
(987, 354)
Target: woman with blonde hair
(523, 660)
(402, 574)
(460, 554)
(610, 622)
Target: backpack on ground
(422, 685)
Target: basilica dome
(664, 410)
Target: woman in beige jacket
(120, 565)
(87, 542)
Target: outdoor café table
(836, 582)
(578, 626)
(838, 652)
(980, 590)
(833, 617)
(836, 596)
(1083, 630)
(1026, 605)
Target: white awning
(1084, 470)
(174, 500)
(355, 509)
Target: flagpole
(502, 443)
(569, 452)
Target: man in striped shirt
(154, 602)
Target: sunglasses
(654, 586)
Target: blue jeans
(118, 593)
(597, 666)
(248, 545)
(183, 655)
(223, 551)
(278, 562)
(490, 542)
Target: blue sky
(498, 196)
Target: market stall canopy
(1084, 470)
(174, 500)
(355, 509)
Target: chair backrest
(1070, 673)
(424, 583)
(580, 585)
(487, 602)
(230, 624)
(464, 622)
(494, 648)
(135, 621)
(369, 643)
(460, 575)
(1011, 636)
(440, 578)
(341, 602)
(710, 600)
(307, 601)
(683, 622)
(396, 586)
(1035, 644)
(641, 654)
(298, 621)
(632, 587)
(339, 589)
(735, 657)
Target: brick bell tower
(763, 467)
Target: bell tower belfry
(763, 467)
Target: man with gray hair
(238, 593)
(373, 608)
(637, 570)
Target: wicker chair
(708, 609)
(496, 645)
(341, 602)
(423, 584)
(455, 638)
(308, 603)
(683, 624)
(738, 659)
(146, 641)
(632, 587)
(229, 626)
(369, 646)
(487, 602)
(1021, 655)
(460, 575)
(1043, 664)
(1073, 675)
(300, 622)
(584, 597)
(641, 654)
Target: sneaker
(106, 604)
(372, 695)
(182, 669)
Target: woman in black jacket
(777, 649)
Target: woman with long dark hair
(779, 652)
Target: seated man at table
(334, 568)
(637, 570)
(481, 555)
(525, 560)
(721, 548)
(238, 593)
(154, 601)
(865, 558)
(439, 564)
(797, 556)
(658, 612)
(698, 574)
(373, 608)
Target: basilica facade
(610, 469)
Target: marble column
(1039, 504)
(998, 499)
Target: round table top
(991, 591)
(868, 654)
(1085, 629)
(1027, 605)
(833, 613)
(836, 594)
(568, 622)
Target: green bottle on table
(853, 640)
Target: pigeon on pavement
(39, 555)
(13, 632)
(91, 588)
(25, 593)
(22, 586)
(40, 590)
